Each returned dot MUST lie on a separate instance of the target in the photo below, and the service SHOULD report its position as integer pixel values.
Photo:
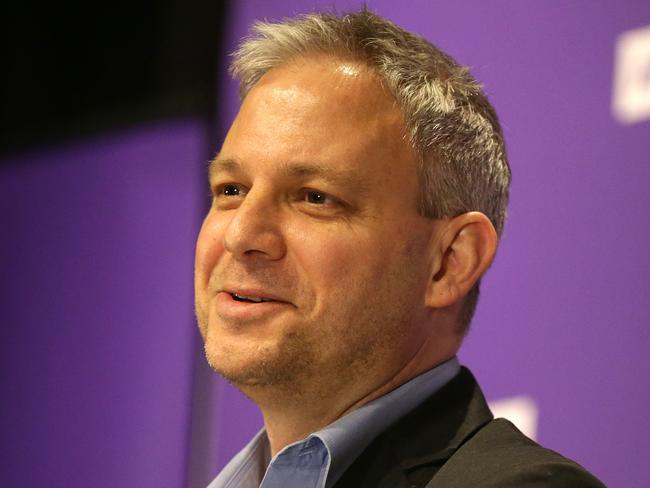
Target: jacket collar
(419, 443)
(440, 425)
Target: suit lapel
(410, 452)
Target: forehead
(325, 78)
(325, 111)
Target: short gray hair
(450, 122)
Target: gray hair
(452, 126)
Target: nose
(255, 230)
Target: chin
(248, 368)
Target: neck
(311, 401)
(293, 413)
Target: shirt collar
(247, 467)
(344, 439)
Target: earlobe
(464, 252)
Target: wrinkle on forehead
(334, 72)
(340, 86)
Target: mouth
(250, 299)
(248, 306)
(253, 296)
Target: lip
(254, 293)
(233, 311)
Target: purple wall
(563, 317)
(98, 336)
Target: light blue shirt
(319, 460)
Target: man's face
(313, 213)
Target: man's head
(454, 130)
(350, 195)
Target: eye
(229, 190)
(227, 196)
(317, 197)
(320, 201)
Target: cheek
(335, 264)
(350, 268)
(209, 246)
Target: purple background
(97, 340)
(102, 377)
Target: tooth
(251, 299)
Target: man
(357, 201)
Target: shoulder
(499, 455)
(451, 440)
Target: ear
(464, 252)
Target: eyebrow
(218, 165)
(338, 176)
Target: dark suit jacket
(452, 440)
